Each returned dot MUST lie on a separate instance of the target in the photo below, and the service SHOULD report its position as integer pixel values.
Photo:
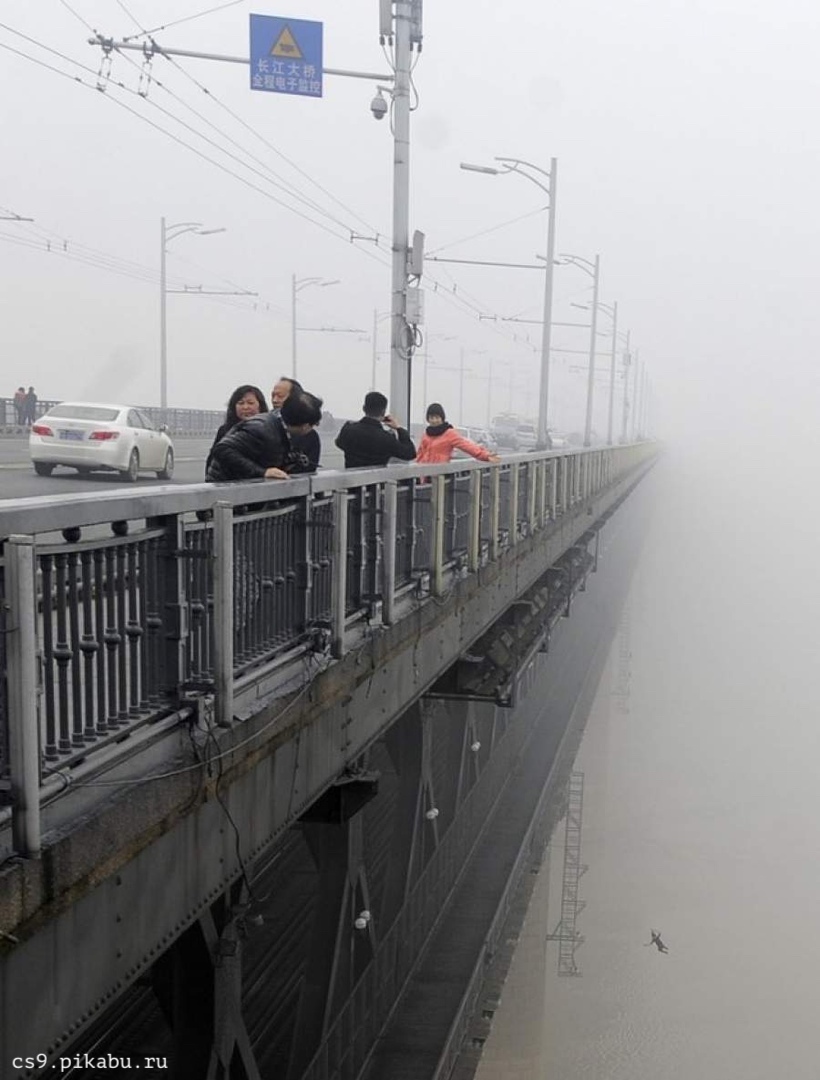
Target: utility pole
(163, 328)
(461, 389)
(400, 363)
(489, 394)
(169, 232)
(297, 284)
(593, 330)
(426, 362)
(546, 332)
(293, 324)
(375, 352)
(519, 166)
(637, 363)
(611, 417)
(625, 416)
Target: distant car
(88, 436)
(505, 431)
(526, 437)
(559, 442)
(481, 436)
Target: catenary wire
(449, 297)
(185, 19)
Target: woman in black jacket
(261, 448)
(246, 401)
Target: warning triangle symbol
(285, 45)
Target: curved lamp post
(297, 284)
(167, 234)
(594, 271)
(518, 166)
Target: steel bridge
(275, 758)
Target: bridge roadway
(269, 747)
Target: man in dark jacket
(260, 448)
(365, 442)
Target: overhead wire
(278, 181)
(274, 149)
(175, 138)
(453, 297)
(185, 19)
(138, 24)
(486, 232)
(272, 179)
(293, 191)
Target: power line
(235, 116)
(131, 17)
(187, 18)
(450, 297)
(165, 131)
(293, 192)
(277, 181)
(76, 15)
(486, 232)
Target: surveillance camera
(378, 106)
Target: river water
(701, 763)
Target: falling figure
(656, 940)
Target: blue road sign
(286, 55)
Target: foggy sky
(687, 154)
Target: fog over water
(701, 802)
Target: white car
(88, 436)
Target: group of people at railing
(257, 442)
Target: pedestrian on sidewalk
(20, 405)
(30, 407)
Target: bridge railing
(180, 421)
(144, 601)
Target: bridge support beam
(343, 934)
(198, 982)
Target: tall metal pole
(592, 332)
(425, 402)
(611, 418)
(293, 324)
(546, 332)
(625, 415)
(637, 363)
(461, 389)
(644, 387)
(375, 352)
(163, 340)
(399, 352)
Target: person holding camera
(376, 438)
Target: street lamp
(627, 363)
(612, 312)
(378, 316)
(167, 234)
(516, 165)
(297, 284)
(427, 339)
(489, 377)
(594, 271)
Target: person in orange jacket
(441, 439)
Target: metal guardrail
(180, 421)
(177, 592)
